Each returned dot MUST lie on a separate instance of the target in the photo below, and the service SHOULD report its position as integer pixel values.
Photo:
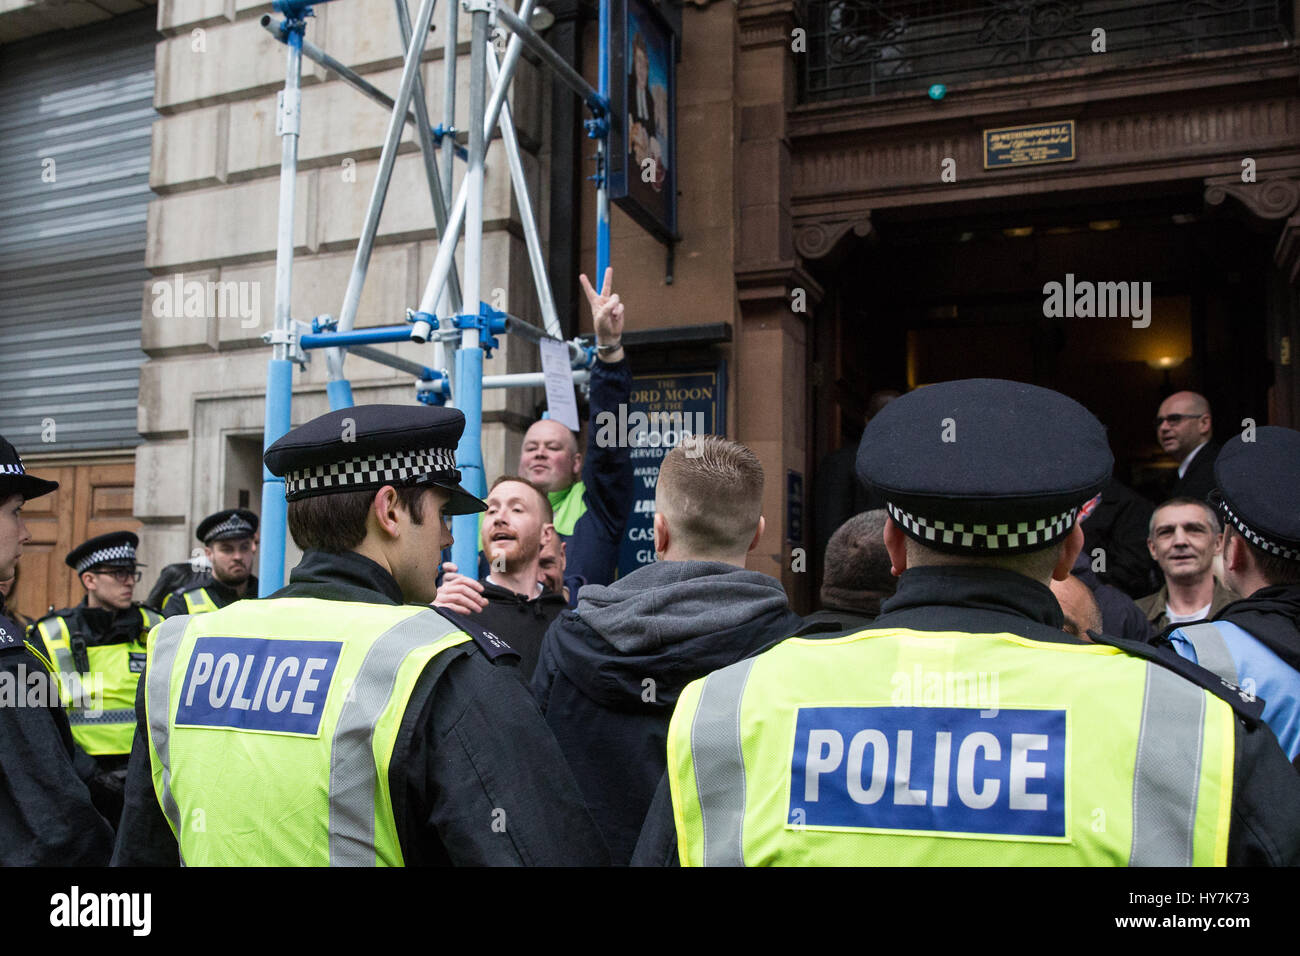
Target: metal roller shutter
(72, 251)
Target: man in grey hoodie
(609, 673)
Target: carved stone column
(776, 295)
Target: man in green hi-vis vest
(964, 726)
(332, 723)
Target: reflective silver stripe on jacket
(162, 658)
(123, 716)
(353, 774)
(78, 696)
(1211, 650)
(1167, 775)
(720, 764)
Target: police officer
(97, 652)
(230, 547)
(964, 726)
(1255, 642)
(331, 723)
(47, 817)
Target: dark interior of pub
(926, 299)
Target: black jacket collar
(341, 577)
(223, 594)
(974, 600)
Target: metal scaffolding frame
(441, 316)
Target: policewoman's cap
(369, 446)
(984, 466)
(227, 525)
(1259, 489)
(14, 479)
(113, 550)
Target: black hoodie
(520, 621)
(611, 671)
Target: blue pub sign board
(664, 408)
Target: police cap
(984, 466)
(14, 479)
(1259, 488)
(113, 550)
(227, 525)
(369, 446)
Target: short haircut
(856, 557)
(337, 523)
(1037, 565)
(1273, 568)
(710, 491)
(548, 513)
(1172, 502)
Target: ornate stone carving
(1269, 200)
(815, 240)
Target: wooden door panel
(91, 500)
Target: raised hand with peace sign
(607, 317)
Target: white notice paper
(560, 399)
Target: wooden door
(93, 498)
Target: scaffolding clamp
(290, 338)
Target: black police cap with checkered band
(113, 550)
(14, 479)
(228, 525)
(984, 466)
(1259, 489)
(369, 446)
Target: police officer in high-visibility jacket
(333, 724)
(964, 726)
(1255, 642)
(97, 650)
(230, 545)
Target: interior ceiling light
(1103, 225)
(1019, 232)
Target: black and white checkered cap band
(373, 470)
(233, 524)
(1290, 554)
(120, 553)
(13, 469)
(1021, 535)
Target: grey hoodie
(672, 601)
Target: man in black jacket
(511, 599)
(473, 775)
(47, 816)
(610, 672)
(1185, 431)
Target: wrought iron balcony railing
(872, 47)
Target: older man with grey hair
(1184, 537)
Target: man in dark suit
(1186, 433)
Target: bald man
(1082, 613)
(1186, 433)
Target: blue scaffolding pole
(471, 332)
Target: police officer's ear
(1235, 553)
(1070, 549)
(88, 580)
(896, 545)
(762, 523)
(384, 512)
